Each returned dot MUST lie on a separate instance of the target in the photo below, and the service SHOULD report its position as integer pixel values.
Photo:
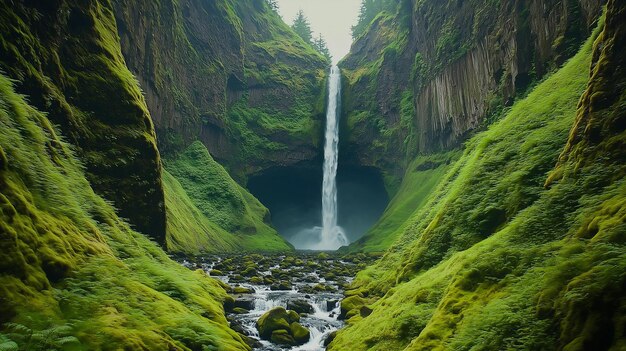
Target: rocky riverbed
(310, 284)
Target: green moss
(188, 229)
(421, 179)
(74, 73)
(230, 214)
(71, 266)
(496, 261)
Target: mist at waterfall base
(351, 199)
(293, 196)
(361, 200)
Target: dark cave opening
(293, 196)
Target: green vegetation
(188, 229)
(496, 261)
(209, 77)
(205, 200)
(75, 276)
(368, 11)
(86, 88)
(302, 27)
(421, 179)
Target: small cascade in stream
(330, 236)
(309, 283)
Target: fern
(7, 344)
(20, 337)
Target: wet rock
(365, 311)
(323, 256)
(236, 326)
(275, 319)
(320, 287)
(300, 334)
(330, 338)
(237, 278)
(249, 272)
(310, 279)
(282, 327)
(282, 337)
(331, 304)
(350, 306)
(229, 303)
(300, 306)
(243, 290)
(239, 310)
(247, 304)
(252, 342)
(216, 272)
(283, 285)
(256, 280)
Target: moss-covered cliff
(422, 78)
(209, 212)
(229, 73)
(75, 276)
(65, 55)
(511, 252)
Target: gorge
(200, 175)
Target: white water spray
(329, 236)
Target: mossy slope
(495, 260)
(225, 216)
(75, 276)
(65, 55)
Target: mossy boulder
(243, 290)
(282, 337)
(351, 306)
(281, 326)
(300, 334)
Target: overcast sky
(332, 18)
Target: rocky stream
(303, 292)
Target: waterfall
(329, 236)
(332, 236)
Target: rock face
(599, 134)
(281, 327)
(229, 73)
(66, 57)
(423, 82)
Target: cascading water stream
(330, 236)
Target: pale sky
(332, 18)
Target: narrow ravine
(311, 284)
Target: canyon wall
(231, 74)
(423, 79)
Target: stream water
(312, 281)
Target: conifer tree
(320, 45)
(302, 27)
(369, 10)
(272, 4)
